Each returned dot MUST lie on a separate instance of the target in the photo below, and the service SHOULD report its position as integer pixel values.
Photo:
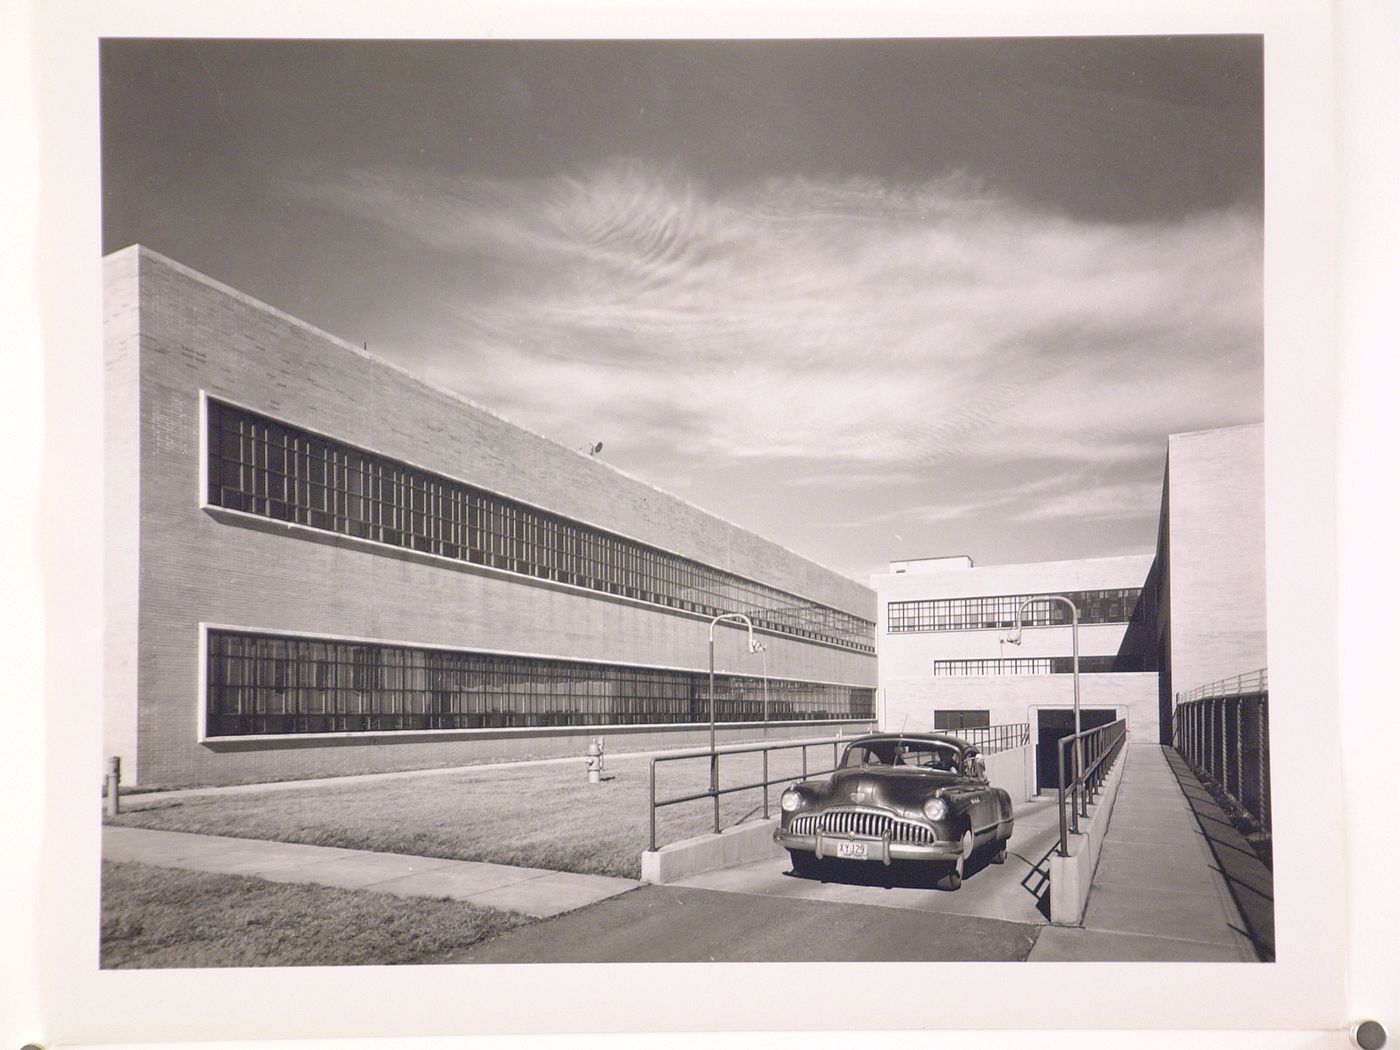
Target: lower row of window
(1121, 664)
(259, 683)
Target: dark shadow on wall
(1146, 643)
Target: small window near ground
(961, 719)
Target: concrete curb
(742, 844)
(1072, 877)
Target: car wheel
(950, 879)
(804, 863)
(999, 857)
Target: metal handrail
(1251, 683)
(999, 737)
(1100, 747)
(714, 791)
(991, 739)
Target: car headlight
(791, 801)
(935, 809)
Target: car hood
(906, 789)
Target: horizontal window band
(273, 684)
(998, 612)
(260, 466)
(243, 519)
(254, 742)
(1040, 665)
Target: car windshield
(920, 753)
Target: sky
(873, 300)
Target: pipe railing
(1222, 731)
(714, 791)
(989, 740)
(1100, 748)
(1251, 683)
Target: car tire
(999, 857)
(804, 863)
(950, 879)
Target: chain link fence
(1222, 730)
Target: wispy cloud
(854, 327)
(1068, 497)
(875, 321)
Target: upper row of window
(261, 466)
(1123, 605)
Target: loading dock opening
(1052, 725)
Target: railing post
(1265, 806)
(1207, 737)
(1074, 788)
(1060, 796)
(651, 833)
(1224, 746)
(1239, 749)
(714, 785)
(765, 783)
(1081, 789)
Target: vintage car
(898, 796)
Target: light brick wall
(909, 689)
(202, 566)
(1215, 518)
(910, 703)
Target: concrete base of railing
(1071, 877)
(741, 844)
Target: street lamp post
(1078, 743)
(754, 646)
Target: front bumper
(881, 849)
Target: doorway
(1054, 724)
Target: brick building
(1151, 625)
(319, 564)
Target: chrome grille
(861, 824)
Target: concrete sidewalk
(1158, 894)
(530, 891)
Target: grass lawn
(162, 918)
(545, 816)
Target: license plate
(853, 850)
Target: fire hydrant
(594, 759)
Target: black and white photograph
(680, 501)
(809, 525)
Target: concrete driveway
(680, 924)
(1008, 892)
(762, 913)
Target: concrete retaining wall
(1013, 771)
(1072, 876)
(743, 844)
